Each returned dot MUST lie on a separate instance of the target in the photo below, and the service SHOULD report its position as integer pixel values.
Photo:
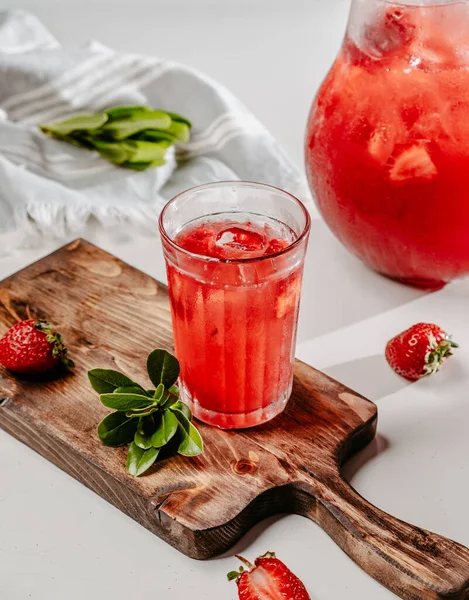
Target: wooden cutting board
(111, 316)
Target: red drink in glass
(387, 146)
(234, 281)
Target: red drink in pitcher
(234, 283)
(387, 146)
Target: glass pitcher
(387, 141)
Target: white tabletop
(58, 539)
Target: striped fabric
(51, 188)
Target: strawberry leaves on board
(146, 420)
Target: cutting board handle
(411, 562)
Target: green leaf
(142, 166)
(105, 381)
(153, 135)
(166, 429)
(125, 402)
(181, 131)
(116, 429)
(139, 460)
(233, 575)
(163, 368)
(174, 390)
(84, 122)
(145, 429)
(159, 392)
(179, 118)
(117, 152)
(146, 151)
(131, 389)
(124, 112)
(124, 128)
(145, 412)
(191, 441)
(182, 407)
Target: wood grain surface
(112, 315)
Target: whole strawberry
(32, 347)
(419, 351)
(267, 579)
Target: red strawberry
(419, 350)
(267, 579)
(32, 347)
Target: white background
(59, 540)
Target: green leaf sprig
(147, 420)
(135, 137)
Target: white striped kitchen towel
(48, 187)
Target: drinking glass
(235, 319)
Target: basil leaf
(85, 122)
(125, 402)
(166, 429)
(116, 429)
(179, 118)
(174, 390)
(124, 128)
(143, 441)
(153, 408)
(145, 429)
(139, 460)
(131, 389)
(141, 424)
(163, 368)
(191, 441)
(181, 406)
(159, 392)
(105, 381)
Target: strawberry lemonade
(387, 145)
(234, 284)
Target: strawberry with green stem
(419, 351)
(267, 579)
(33, 347)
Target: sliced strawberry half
(267, 579)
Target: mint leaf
(105, 381)
(125, 402)
(163, 368)
(116, 429)
(139, 460)
(191, 441)
(166, 429)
